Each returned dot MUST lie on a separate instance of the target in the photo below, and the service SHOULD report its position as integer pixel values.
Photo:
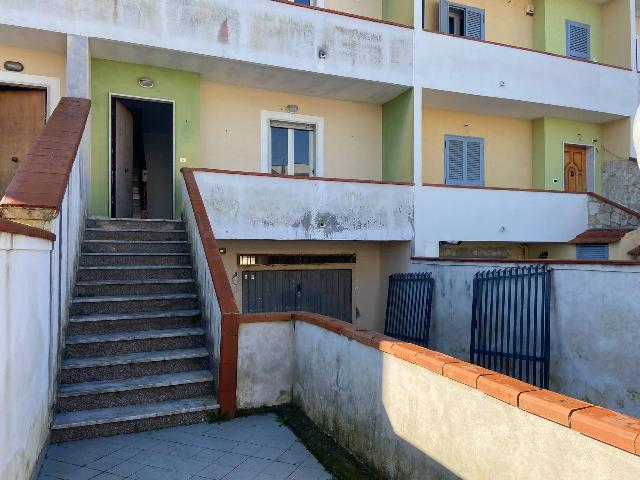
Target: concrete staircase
(135, 356)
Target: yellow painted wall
(616, 33)
(368, 284)
(366, 8)
(506, 21)
(620, 250)
(230, 130)
(38, 62)
(616, 140)
(507, 146)
(557, 251)
(511, 251)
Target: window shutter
(578, 40)
(474, 23)
(592, 252)
(444, 16)
(474, 166)
(454, 156)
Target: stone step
(133, 303)
(77, 370)
(135, 246)
(127, 272)
(135, 223)
(132, 322)
(135, 390)
(134, 259)
(131, 418)
(122, 343)
(135, 234)
(135, 287)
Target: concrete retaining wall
(406, 418)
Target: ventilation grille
(592, 252)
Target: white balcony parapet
(456, 214)
(259, 32)
(462, 66)
(244, 206)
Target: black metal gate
(510, 324)
(408, 315)
(327, 292)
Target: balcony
(457, 214)
(512, 79)
(248, 206)
(227, 40)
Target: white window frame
(314, 3)
(265, 137)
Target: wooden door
(123, 168)
(22, 116)
(575, 168)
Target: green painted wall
(549, 137)
(397, 138)
(399, 11)
(550, 24)
(122, 78)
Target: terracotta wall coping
(7, 226)
(530, 50)
(605, 425)
(291, 177)
(43, 175)
(345, 14)
(628, 263)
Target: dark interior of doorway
(23, 112)
(141, 158)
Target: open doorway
(142, 183)
(23, 112)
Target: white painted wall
(595, 331)
(265, 364)
(255, 31)
(468, 214)
(246, 207)
(28, 350)
(459, 65)
(209, 307)
(410, 423)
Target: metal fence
(510, 324)
(408, 316)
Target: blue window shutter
(578, 40)
(464, 160)
(474, 165)
(444, 16)
(454, 160)
(474, 23)
(592, 252)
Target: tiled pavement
(248, 448)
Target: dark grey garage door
(327, 292)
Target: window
(592, 252)
(461, 20)
(578, 40)
(464, 161)
(292, 144)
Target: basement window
(246, 260)
(592, 252)
(291, 144)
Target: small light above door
(12, 66)
(145, 82)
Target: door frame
(590, 162)
(50, 84)
(115, 96)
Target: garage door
(327, 292)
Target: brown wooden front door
(575, 168)
(123, 162)
(22, 116)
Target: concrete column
(79, 86)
